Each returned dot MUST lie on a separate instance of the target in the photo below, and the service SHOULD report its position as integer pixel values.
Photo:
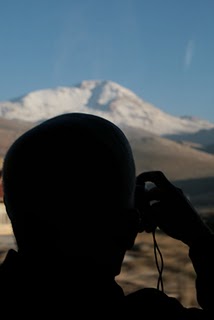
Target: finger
(156, 177)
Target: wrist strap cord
(159, 267)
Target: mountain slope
(202, 137)
(189, 169)
(104, 98)
(151, 152)
(9, 131)
(177, 160)
(210, 148)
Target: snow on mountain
(103, 98)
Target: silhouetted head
(68, 183)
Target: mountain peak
(100, 97)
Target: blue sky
(162, 50)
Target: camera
(143, 205)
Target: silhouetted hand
(165, 206)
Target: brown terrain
(189, 168)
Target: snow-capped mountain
(103, 98)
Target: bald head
(72, 162)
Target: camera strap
(161, 266)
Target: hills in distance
(182, 147)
